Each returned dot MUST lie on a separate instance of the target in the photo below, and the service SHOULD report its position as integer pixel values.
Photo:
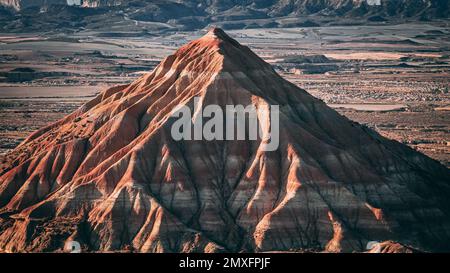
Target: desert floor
(392, 78)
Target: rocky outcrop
(21, 4)
(111, 176)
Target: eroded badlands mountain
(111, 176)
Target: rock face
(21, 4)
(111, 176)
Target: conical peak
(217, 33)
(214, 52)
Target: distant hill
(196, 14)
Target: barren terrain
(393, 78)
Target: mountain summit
(111, 176)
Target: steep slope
(111, 176)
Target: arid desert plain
(393, 78)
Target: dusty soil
(393, 78)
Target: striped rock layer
(111, 176)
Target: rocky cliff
(111, 176)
